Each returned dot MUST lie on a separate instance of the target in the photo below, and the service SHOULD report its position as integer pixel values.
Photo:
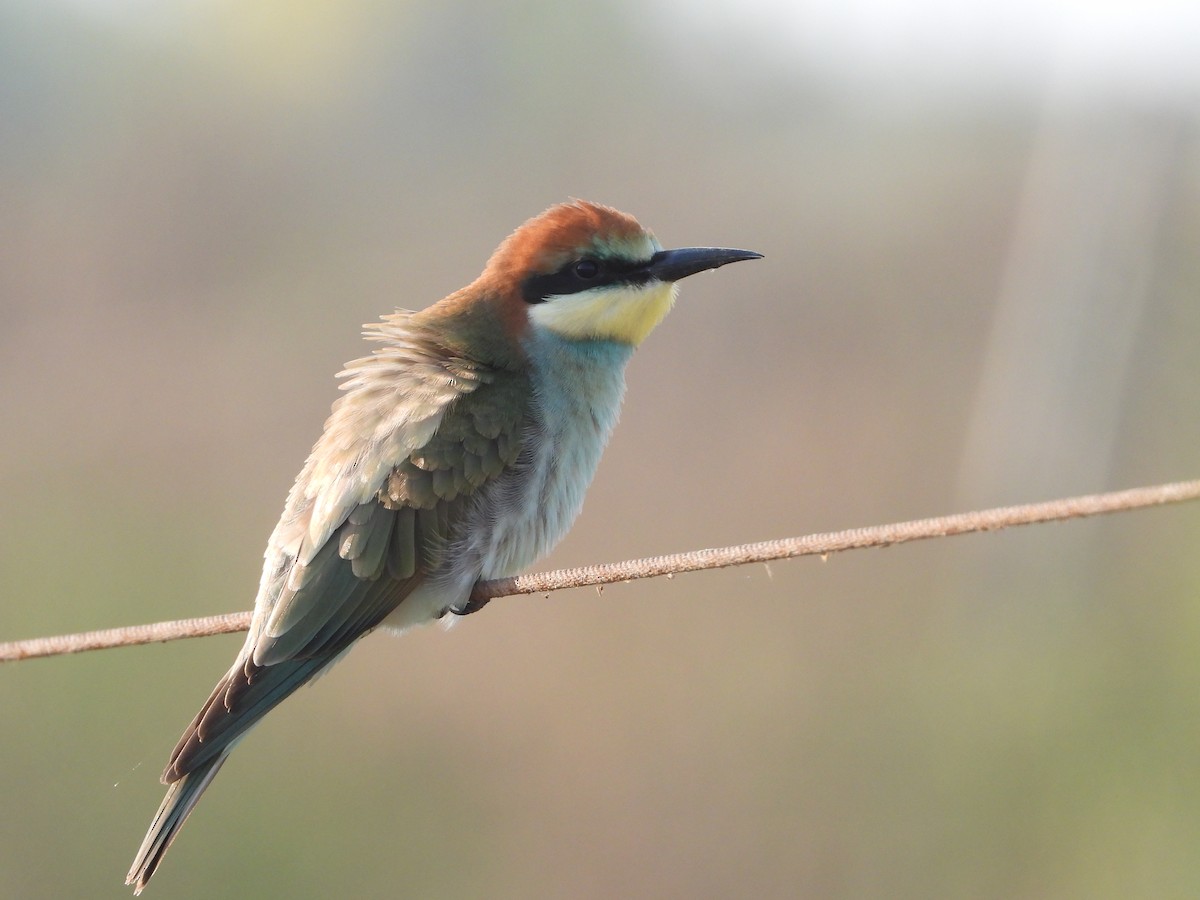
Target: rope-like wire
(672, 564)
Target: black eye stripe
(571, 280)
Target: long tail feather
(207, 743)
(181, 797)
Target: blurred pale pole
(1077, 284)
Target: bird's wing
(373, 509)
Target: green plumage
(369, 564)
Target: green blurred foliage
(202, 201)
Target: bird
(460, 451)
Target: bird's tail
(181, 797)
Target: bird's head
(586, 271)
(581, 271)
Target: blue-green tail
(181, 798)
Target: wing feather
(402, 556)
(371, 514)
(370, 561)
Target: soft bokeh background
(982, 287)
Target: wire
(673, 564)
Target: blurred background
(981, 287)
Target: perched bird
(461, 451)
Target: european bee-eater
(461, 451)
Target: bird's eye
(587, 269)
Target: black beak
(672, 265)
